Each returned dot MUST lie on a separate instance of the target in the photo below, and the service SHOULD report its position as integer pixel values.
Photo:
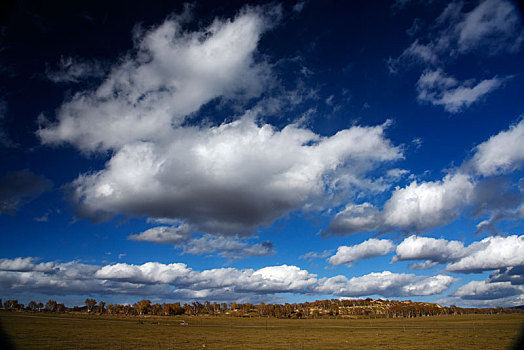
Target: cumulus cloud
(227, 247)
(356, 218)
(20, 187)
(271, 279)
(513, 274)
(177, 280)
(490, 254)
(150, 272)
(416, 207)
(25, 264)
(482, 290)
(164, 234)
(365, 250)
(439, 89)
(501, 153)
(207, 176)
(385, 283)
(498, 199)
(171, 75)
(430, 249)
(420, 206)
(72, 278)
(183, 236)
(226, 179)
(496, 196)
(428, 204)
(504, 254)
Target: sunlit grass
(81, 331)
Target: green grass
(68, 331)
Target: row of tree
(320, 308)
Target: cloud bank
(227, 178)
(421, 206)
(177, 280)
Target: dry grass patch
(81, 331)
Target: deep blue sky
(262, 151)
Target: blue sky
(262, 151)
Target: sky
(262, 151)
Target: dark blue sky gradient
(335, 55)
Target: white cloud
(493, 25)
(416, 53)
(422, 265)
(316, 255)
(502, 153)
(365, 250)
(482, 290)
(25, 264)
(499, 199)
(178, 281)
(226, 179)
(490, 254)
(385, 283)
(416, 207)
(171, 75)
(184, 237)
(396, 174)
(283, 278)
(428, 204)
(513, 274)
(356, 218)
(441, 90)
(430, 249)
(271, 279)
(228, 247)
(505, 254)
(150, 272)
(71, 278)
(164, 234)
(424, 205)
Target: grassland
(69, 331)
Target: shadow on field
(519, 342)
(5, 339)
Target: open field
(69, 331)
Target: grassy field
(67, 331)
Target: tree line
(379, 308)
